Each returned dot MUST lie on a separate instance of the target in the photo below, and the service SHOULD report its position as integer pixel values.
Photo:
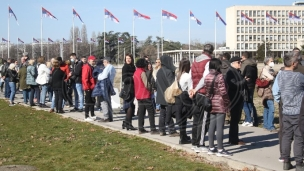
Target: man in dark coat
(225, 63)
(164, 78)
(236, 84)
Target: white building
(245, 36)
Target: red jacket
(197, 71)
(141, 92)
(220, 99)
(65, 68)
(88, 82)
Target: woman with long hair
(128, 70)
(42, 80)
(155, 70)
(31, 74)
(57, 79)
(13, 79)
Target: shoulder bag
(262, 83)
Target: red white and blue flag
(220, 18)
(19, 40)
(50, 40)
(93, 40)
(271, 18)
(120, 40)
(106, 41)
(4, 40)
(11, 13)
(77, 15)
(168, 15)
(78, 39)
(35, 40)
(294, 17)
(140, 16)
(246, 18)
(109, 15)
(194, 18)
(64, 41)
(46, 13)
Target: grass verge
(50, 142)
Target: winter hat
(91, 57)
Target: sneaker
(11, 104)
(245, 123)
(202, 149)
(74, 110)
(212, 151)
(94, 117)
(174, 134)
(281, 160)
(223, 153)
(154, 131)
(250, 124)
(193, 147)
(80, 110)
(88, 119)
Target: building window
(238, 21)
(238, 29)
(254, 29)
(238, 46)
(279, 13)
(279, 45)
(250, 13)
(246, 29)
(246, 38)
(275, 46)
(238, 13)
(283, 38)
(262, 13)
(283, 13)
(279, 37)
(242, 29)
(259, 13)
(275, 13)
(250, 29)
(262, 29)
(254, 37)
(270, 29)
(238, 37)
(259, 21)
(254, 13)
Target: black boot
(287, 165)
(124, 124)
(130, 126)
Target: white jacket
(43, 74)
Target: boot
(124, 124)
(287, 165)
(130, 126)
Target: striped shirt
(291, 87)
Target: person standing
(26, 90)
(128, 70)
(155, 70)
(291, 88)
(249, 70)
(225, 63)
(12, 75)
(76, 82)
(236, 86)
(30, 80)
(5, 77)
(88, 83)
(57, 80)
(43, 79)
(109, 72)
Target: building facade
(282, 36)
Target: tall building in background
(282, 32)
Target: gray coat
(30, 73)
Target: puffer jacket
(43, 74)
(220, 99)
(30, 73)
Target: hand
(247, 79)
(3, 77)
(70, 74)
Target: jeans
(50, 93)
(249, 108)
(12, 86)
(268, 115)
(157, 105)
(107, 108)
(44, 89)
(7, 90)
(34, 90)
(26, 95)
(53, 101)
(78, 93)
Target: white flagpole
(8, 37)
(17, 50)
(41, 35)
(104, 36)
(118, 52)
(90, 47)
(134, 37)
(265, 45)
(32, 49)
(73, 35)
(47, 48)
(215, 37)
(161, 32)
(189, 35)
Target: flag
(64, 41)
(35, 40)
(46, 13)
(106, 41)
(140, 16)
(246, 18)
(11, 13)
(120, 40)
(294, 17)
(19, 40)
(79, 39)
(168, 15)
(198, 22)
(50, 40)
(108, 14)
(270, 18)
(220, 18)
(192, 16)
(4, 40)
(92, 40)
(77, 15)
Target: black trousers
(58, 99)
(165, 111)
(34, 89)
(181, 117)
(235, 113)
(89, 103)
(198, 117)
(143, 105)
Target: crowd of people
(227, 83)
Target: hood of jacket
(225, 64)
(250, 62)
(167, 62)
(202, 57)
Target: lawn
(51, 142)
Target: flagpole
(73, 35)
(47, 47)
(90, 46)
(161, 31)
(17, 50)
(215, 36)
(189, 34)
(265, 36)
(41, 35)
(32, 49)
(133, 37)
(104, 36)
(118, 53)
(8, 32)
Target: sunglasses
(157, 62)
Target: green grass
(50, 142)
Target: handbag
(126, 93)
(262, 83)
(172, 91)
(202, 100)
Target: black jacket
(236, 85)
(77, 71)
(225, 66)
(12, 75)
(4, 70)
(57, 79)
(251, 72)
(164, 78)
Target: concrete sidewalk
(261, 151)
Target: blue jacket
(103, 88)
(276, 90)
(30, 73)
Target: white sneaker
(202, 149)
(245, 123)
(94, 117)
(193, 147)
(250, 124)
(88, 119)
(223, 153)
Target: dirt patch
(18, 168)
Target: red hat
(91, 57)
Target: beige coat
(267, 72)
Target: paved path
(261, 151)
